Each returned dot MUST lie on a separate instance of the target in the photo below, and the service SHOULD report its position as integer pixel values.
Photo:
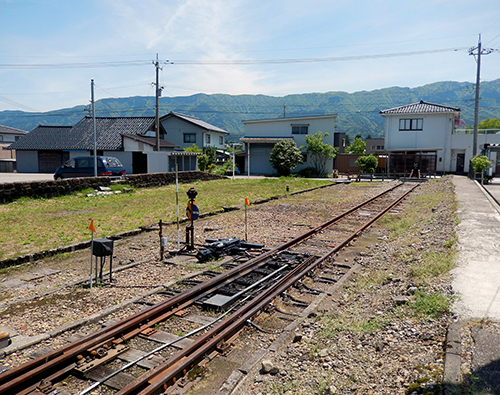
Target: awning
(263, 140)
(413, 150)
(184, 153)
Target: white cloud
(200, 30)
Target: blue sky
(51, 49)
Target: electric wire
(222, 62)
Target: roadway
(22, 177)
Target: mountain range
(358, 112)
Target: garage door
(49, 161)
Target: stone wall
(47, 189)
(159, 179)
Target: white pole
(233, 161)
(246, 229)
(177, 202)
(248, 161)
(91, 253)
(94, 127)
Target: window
(190, 137)
(304, 158)
(207, 139)
(221, 140)
(1, 137)
(300, 129)
(411, 124)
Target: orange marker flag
(91, 226)
(247, 202)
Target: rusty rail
(158, 379)
(26, 378)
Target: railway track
(236, 295)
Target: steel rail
(158, 379)
(24, 378)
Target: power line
(21, 66)
(314, 60)
(223, 62)
(16, 104)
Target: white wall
(433, 135)
(158, 162)
(464, 143)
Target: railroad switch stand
(102, 248)
(192, 213)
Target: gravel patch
(363, 339)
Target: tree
(489, 123)
(211, 152)
(319, 151)
(480, 164)
(193, 148)
(203, 162)
(357, 147)
(285, 156)
(367, 163)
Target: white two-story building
(261, 135)
(426, 137)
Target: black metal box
(102, 247)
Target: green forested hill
(357, 112)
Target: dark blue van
(83, 166)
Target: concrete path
(472, 362)
(477, 278)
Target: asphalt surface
(472, 363)
(22, 177)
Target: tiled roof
(43, 138)
(81, 136)
(9, 130)
(419, 108)
(196, 121)
(109, 131)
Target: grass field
(30, 225)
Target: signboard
(192, 211)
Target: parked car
(83, 166)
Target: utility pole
(93, 125)
(157, 103)
(477, 51)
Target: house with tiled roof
(427, 138)
(130, 139)
(262, 134)
(8, 135)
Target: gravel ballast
(366, 337)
